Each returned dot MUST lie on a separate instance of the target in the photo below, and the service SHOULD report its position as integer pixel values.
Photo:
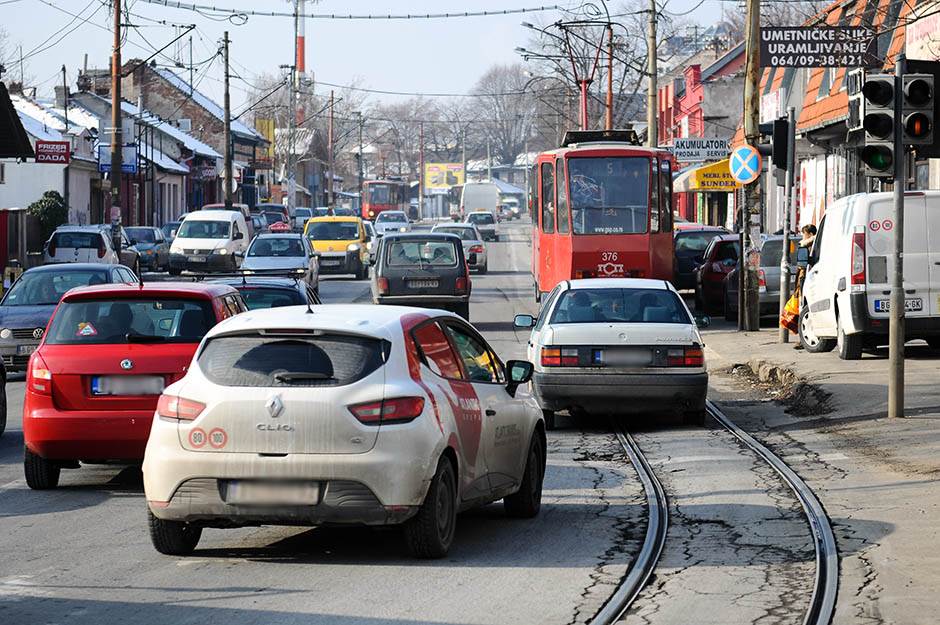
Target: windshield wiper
(132, 337)
(302, 377)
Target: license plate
(197, 259)
(262, 493)
(622, 357)
(127, 384)
(331, 263)
(422, 284)
(25, 350)
(912, 304)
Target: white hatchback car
(615, 346)
(354, 414)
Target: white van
(847, 291)
(479, 196)
(209, 240)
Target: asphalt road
(737, 551)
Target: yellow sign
(714, 177)
(266, 128)
(443, 175)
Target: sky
(420, 55)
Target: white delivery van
(479, 196)
(209, 240)
(847, 291)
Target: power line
(337, 16)
(419, 94)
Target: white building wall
(80, 195)
(26, 182)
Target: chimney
(60, 96)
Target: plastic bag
(790, 317)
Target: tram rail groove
(653, 543)
(826, 586)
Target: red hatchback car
(718, 260)
(93, 383)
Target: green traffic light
(877, 157)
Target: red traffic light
(917, 125)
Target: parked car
(616, 345)
(301, 215)
(92, 385)
(422, 269)
(283, 251)
(89, 244)
(846, 294)
(28, 304)
(261, 292)
(169, 231)
(769, 280)
(391, 221)
(471, 240)
(485, 223)
(718, 260)
(209, 240)
(690, 242)
(151, 245)
(387, 441)
(341, 244)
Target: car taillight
(858, 258)
(382, 285)
(101, 248)
(475, 249)
(685, 357)
(173, 407)
(559, 357)
(388, 411)
(761, 281)
(461, 284)
(38, 377)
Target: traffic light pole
(896, 321)
(784, 335)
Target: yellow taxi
(341, 244)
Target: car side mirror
(238, 236)
(520, 372)
(134, 241)
(523, 321)
(802, 257)
(702, 321)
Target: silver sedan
(474, 248)
(283, 252)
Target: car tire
(808, 339)
(850, 345)
(41, 474)
(481, 270)
(463, 310)
(694, 417)
(430, 532)
(173, 538)
(526, 502)
(173, 271)
(549, 417)
(496, 239)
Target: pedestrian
(809, 235)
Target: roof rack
(617, 135)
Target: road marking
(15, 484)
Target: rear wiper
(300, 377)
(131, 337)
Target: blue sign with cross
(745, 164)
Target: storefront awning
(714, 177)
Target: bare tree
(506, 116)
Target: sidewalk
(876, 477)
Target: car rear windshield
(45, 288)
(142, 235)
(267, 297)
(81, 240)
(284, 246)
(389, 217)
(333, 231)
(272, 217)
(145, 320)
(480, 218)
(771, 252)
(193, 229)
(290, 359)
(465, 234)
(407, 252)
(619, 305)
(694, 241)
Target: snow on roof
(205, 102)
(505, 187)
(80, 116)
(161, 160)
(37, 129)
(50, 120)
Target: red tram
(601, 208)
(383, 195)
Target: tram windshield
(609, 195)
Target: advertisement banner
(128, 158)
(266, 128)
(443, 175)
(697, 149)
(818, 46)
(57, 152)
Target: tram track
(825, 584)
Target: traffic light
(879, 125)
(917, 109)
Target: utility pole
(329, 182)
(116, 130)
(359, 116)
(292, 120)
(227, 133)
(750, 313)
(65, 107)
(191, 68)
(896, 319)
(785, 258)
(652, 131)
(610, 76)
(420, 170)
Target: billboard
(443, 175)
(53, 152)
(818, 46)
(265, 157)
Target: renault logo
(127, 364)
(275, 406)
(38, 332)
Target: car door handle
(490, 412)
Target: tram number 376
(609, 256)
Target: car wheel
(496, 239)
(430, 532)
(549, 416)
(850, 345)
(41, 474)
(808, 338)
(526, 502)
(463, 310)
(173, 538)
(481, 270)
(174, 271)
(694, 417)
(3, 407)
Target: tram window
(609, 195)
(654, 195)
(533, 194)
(562, 196)
(548, 198)
(665, 196)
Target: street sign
(57, 152)
(745, 164)
(698, 149)
(818, 46)
(128, 158)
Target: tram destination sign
(697, 149)
(818, 46)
